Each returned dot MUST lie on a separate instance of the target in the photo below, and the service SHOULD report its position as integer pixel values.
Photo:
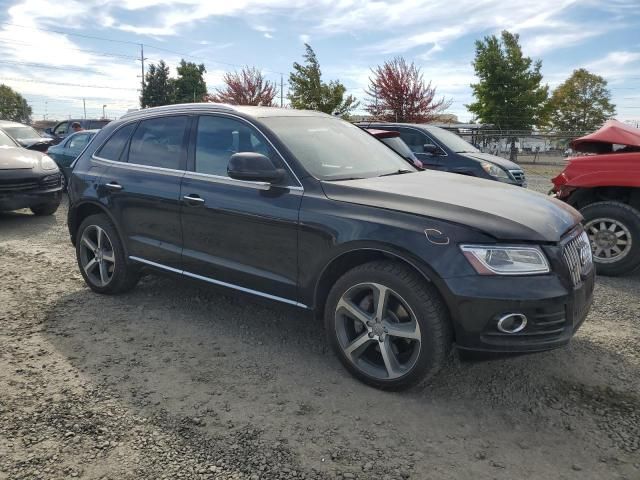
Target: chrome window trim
(138, 167)
(219, 282)
(240, 183)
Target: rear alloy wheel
(101, 257)
(387, 325)
(614, 232)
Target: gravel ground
(175, 380)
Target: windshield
(5, 140)
(398, 145)
(332, 149)
(452, 141)
(22, 132)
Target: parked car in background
(604, 184)
(28, 179)
(394, 142)
(309, 210)
(440, 149)
(62, 129)
(65, 152)
(26, 136)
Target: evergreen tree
(159, 88)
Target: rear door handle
(194, 200)
(113, 186)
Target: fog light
(512, 323)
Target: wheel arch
(85, 210)
(345, 261)
(583, 196)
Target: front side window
(159, 142)
(332, 149)
(112, 149)
(218, 138)
(452, 141)
(414, 139)
(61, 129)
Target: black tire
(423, 301)
(628, 220)
(45, 209)
(122, 275)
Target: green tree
(159, 88)
(581, 103)
(13, 106)
(509, 93)
(308, 91)
(190, 85)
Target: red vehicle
(604, 184)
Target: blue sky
(48, 53)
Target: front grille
(18, 185)
(577, 256)
(518, 176)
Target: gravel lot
(181, 381)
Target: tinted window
(79, 141)
(114, 146)
(414, 139)
(332, 149)
(218, 138)
(61, 129)
(159, 142)
(451, 140)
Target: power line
(64, 84)
(40, 65)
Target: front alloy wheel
(377, 331)
(96, 255)
(387, 325)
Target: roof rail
(180, 106)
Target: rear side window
(159, 142)
(96, 124)
(112, 150)
(79, 141)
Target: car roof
(424, 126)
(256, 112)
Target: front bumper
(17, 200)
(554, 311)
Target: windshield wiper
(342, 179)
(397, 172)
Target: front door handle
(193, 199)
(113, 186)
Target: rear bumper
(16, 201)
(554, 311)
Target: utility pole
(281, 92)
(142, 59)
(84, 105)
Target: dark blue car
(68, 150)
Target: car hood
(503, 211)
(14, 158)
(487, 157)
(29, 142)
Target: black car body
(25, 136)
(309, 210)
(440, 149)
(28, 179)
(62, 129)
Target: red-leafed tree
(398, 93)
(247, 87)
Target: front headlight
(505, 260)
(496, 172)
(47, 163)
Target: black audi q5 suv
(306, 209)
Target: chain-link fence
(523, 147)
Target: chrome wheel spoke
(348, 308)
(391, 363)
(380, 299)
(104, 273)
(88, 268)
(407, 330)
(88, 243)
(99, 234)
(109, 257)
(358, 346)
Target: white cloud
(304, 38)
(267, 35)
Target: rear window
(112, 150)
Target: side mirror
(253, 167)
(430, 148)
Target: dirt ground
(177, 380)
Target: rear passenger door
(142, 187)
(238, 233)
